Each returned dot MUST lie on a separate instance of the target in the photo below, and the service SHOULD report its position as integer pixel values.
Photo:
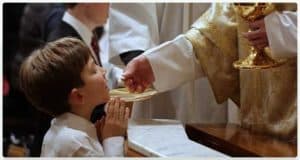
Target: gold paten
(127, 96)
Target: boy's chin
(106, 99)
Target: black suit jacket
(63, 30)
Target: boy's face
(94, 90)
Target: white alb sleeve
(173, 63)
(281, 30)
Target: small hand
(138, 74)
(115, 122)
(258, 36)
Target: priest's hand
(138, 74)
(258, 35)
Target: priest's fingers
(132, 69)
(148, 83)
(132, 88)
(126, 76)
(252, 35)
(259, 42)
(137, 87)
(130, 85)
(128, 82)
(140, 89)
(257, 24)
(145, 84)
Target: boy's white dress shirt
(71, 135)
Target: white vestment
(113, 72)
(281, 30)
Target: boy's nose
(103, 72)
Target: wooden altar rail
(236, 141)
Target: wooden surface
(235, 141)
(129, 152)
(133, 153)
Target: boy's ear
(76, 97)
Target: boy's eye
(95, 70)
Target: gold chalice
(257, 59)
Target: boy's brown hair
(49, 74)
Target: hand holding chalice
(258, 57)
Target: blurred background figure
(24, 29)
(84, 21)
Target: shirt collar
(82, 29)
(76, 122)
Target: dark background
(20, 120)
